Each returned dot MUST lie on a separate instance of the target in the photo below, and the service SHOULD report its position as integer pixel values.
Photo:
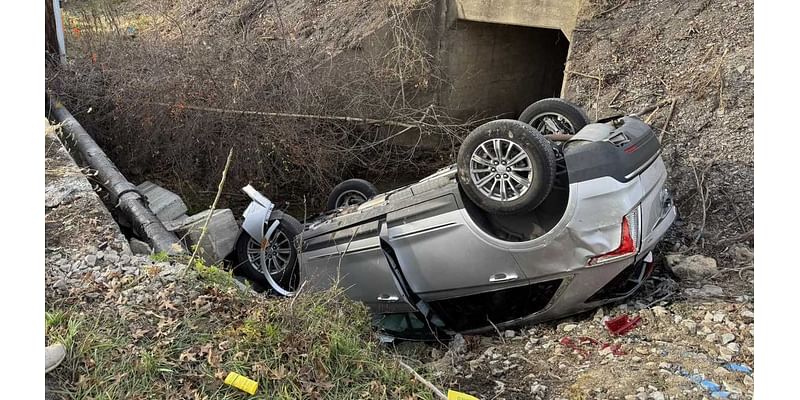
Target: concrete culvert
(500, 69)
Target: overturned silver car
(529, 225)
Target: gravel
(91, 259)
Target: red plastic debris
(588, 340)
(622, 324)
(615, 349)
(568, 342)
(585, 340)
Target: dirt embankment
(699, 53)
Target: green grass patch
(161, 256)
(184, 340)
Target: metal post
(62, 50)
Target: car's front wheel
(280, 254)
(506, 167)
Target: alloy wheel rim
(278, 253)
(349, 198)
(549, 123)
(501, 170)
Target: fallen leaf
(188, 355)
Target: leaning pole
(123, 193)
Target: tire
(567, 117)
(249, 265)
(536, 164)
(350, 192)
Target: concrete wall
(553, 14)
(495, 69)
(491, 57)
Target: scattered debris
(623, 324)
(220, 235)
(734, 367)
(605, 348)
(242, 383)
(166, 205)
(454, 395)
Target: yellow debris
(453, 395)
(242, 382)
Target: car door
(441, 257)
(353, 257)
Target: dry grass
(183, 338)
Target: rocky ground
(695, 331)
(696, 317)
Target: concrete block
(140, 248)
(175, 224)
(220, 237)
(167, 206)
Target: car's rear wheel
(506, 167)
(555, 116)
(351, 192)
(279, 252)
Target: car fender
(256, 214)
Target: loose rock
(569, 327)
(727, 338)
(692, 268)
(657, 396)
(140, 247)
(707, 291)
(90, 259)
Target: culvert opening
(499, 69)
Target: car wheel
(554, 115)
(350, 192)
(281, 253)
(506, 167)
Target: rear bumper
(591, 287)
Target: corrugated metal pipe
(123, 193)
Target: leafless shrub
(288, 56)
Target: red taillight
(626, 246)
